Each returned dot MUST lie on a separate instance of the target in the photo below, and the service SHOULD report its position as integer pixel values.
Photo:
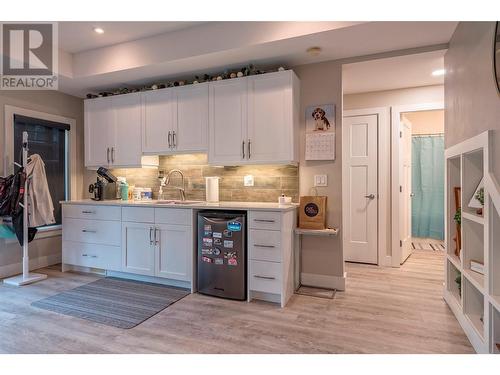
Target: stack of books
(477, 266)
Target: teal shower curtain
(427, 217)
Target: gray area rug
(114, 302)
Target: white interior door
(405, 191)
(360, 206)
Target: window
(49, 140)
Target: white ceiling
(146, 52)
(80, 36)
(393, 73)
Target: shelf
(452, 286)
(475, 278)
(317, 232)
(494, 248)
(473, 306)
(495, 302)
(473, 217)
(495, 331)
(455, 261)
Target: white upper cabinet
(127, 146)
(228, 122)
(158, 121)
(190, 132)
(271, 128)
(254, 120)
(113, 132)
(99, 131)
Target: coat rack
(26, 277)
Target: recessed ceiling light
(98, 30)
(314, 51)
(439, 72)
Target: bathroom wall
(270, 181)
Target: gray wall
(46, 250)
(471, 98)
(321, 83)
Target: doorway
(421, 176)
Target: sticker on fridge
(230, 254)
(228, 233)
(217, 234)
(216, 251)
(234, 226)
(207, 259)
(217, 241)
(228, 244)
(207, 251)
(207, 228)
(232, 262)
(207, 241)
(219, 260)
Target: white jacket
(40, 206)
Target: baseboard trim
(35, 263)
(323, 281)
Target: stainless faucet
(182, 189)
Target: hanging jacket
(5, 195)
(40, 206)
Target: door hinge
(400, 243)
(400, 188)
(400, 134)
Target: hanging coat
(40, 206)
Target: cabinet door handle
(174, 141)
(112, 154)
(88, 231)
(266, 246)
(264, 277)
(88, 212)
(249, 149)
(243, 149)
(157, 236)
(84, 255)
(169, 139)
(150, 235)
(107, 154)
(265, 220)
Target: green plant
(458, 280)
(458, 216)
(480, 196)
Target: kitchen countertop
(266, 206)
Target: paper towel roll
(212, 189)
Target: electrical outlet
(320, 180)
(248, 180)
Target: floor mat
(114, 302)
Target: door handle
(243, 149)
(112, 154)
(370, 196)
(249, 150)
(107, 154)
(412, 194)
(169, 139)
(174, 142)
(265, 277)
(150, 236)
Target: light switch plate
(248, 180)
(320, 180)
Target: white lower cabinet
(173, 259)
(138, 249)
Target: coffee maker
(105, 186)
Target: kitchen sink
(176, 202)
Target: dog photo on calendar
(320, 118)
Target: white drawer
(264, 220)
(264, 245)
(138, 214)
(92, 231)
(178, 216)
(94, 212)
(92, 255)
(264, 276)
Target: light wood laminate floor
(384, 310)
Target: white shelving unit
(477, 305)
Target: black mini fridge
(222, 258)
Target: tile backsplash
(270, 181)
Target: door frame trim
(396, 112)
(383, 174)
